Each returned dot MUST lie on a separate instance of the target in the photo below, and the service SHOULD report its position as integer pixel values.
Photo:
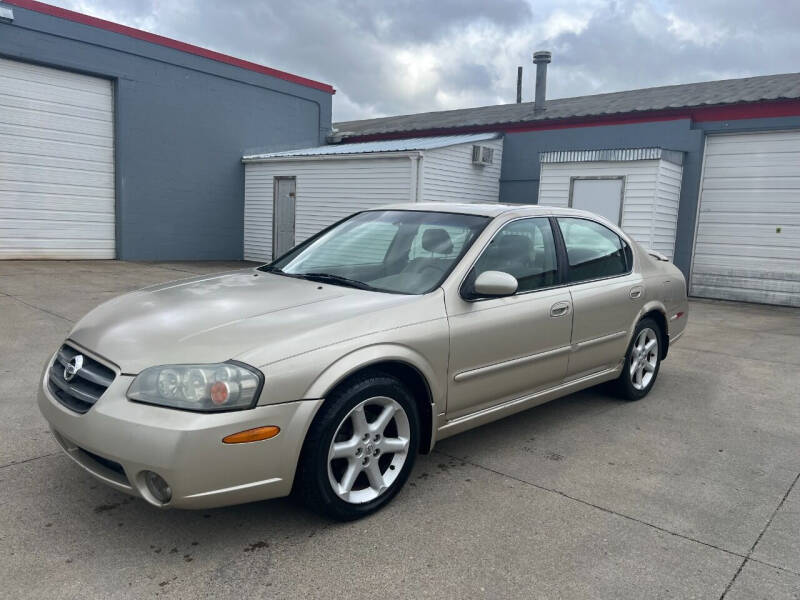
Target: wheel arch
(657, 312)
(398, 361)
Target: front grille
(85, 387)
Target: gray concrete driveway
(690, 493)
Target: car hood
(221, 317)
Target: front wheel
(360, 448)
(642, 361)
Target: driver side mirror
(494, 284)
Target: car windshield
(398, 251)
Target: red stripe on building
(153, 38)
(730, 112)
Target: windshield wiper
(330, 278)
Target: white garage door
(56, 164)
(747, 245)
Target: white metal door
(284, 214)
(599, 195)
(56, 164)
(747, 244)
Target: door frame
(453, 296)
(276, 179)
(621, 191)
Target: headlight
(206, 388)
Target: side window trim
(629, 256)
(623, 244)
(561, 264)
(561, 252)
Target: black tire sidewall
(625, 384)
(313, 468)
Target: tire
(640, 371)
(347, 487)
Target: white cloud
(413, 55)
(694, 33)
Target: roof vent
(6, 15)
(541, 58)
(335, 136)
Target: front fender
(374, 354)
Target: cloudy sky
(405, 56)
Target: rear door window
(593, 250)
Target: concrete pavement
(689, 493)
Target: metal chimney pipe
(519, 85)
(541, 58)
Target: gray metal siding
(182, 124)
(519, 180)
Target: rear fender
(648, 307)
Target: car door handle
(559, 309)
(636, 292)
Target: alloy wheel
(644, 359)
(368, 450)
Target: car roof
(486, 209)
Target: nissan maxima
(325, 372)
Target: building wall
(650, 196)
(448, 174)
(666, 208)
(519, 181)
(182, 124)
(327, 191)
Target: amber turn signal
(252, 435)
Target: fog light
(158, 487)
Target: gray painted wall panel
(519, 181)
(183, 123)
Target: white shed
(636, 188)
(289, 196)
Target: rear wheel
(360, 448)
(642, 361)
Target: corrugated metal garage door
(56, 164)
(747, 245)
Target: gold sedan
(329, 369)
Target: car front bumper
(118, 440)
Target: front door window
(524, 249)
